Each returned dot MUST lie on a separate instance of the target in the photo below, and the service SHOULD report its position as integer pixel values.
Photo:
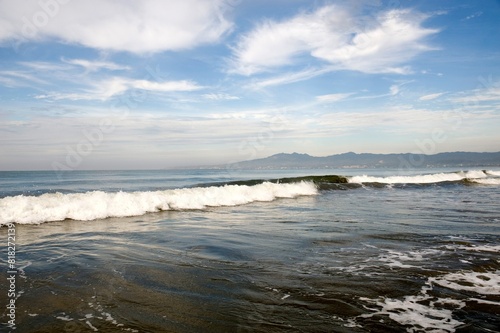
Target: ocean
(251, 251)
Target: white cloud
(127, 25)
(220, 97)
(156, 137)
(399, 119)
(93, 66)
(165, 86)
(74, 85)
(43, 66)
(490, 94)
(332, 97)
(370, 44)
(394, 90)
(430, 96)
(106, 89)
(476, 14)
(16, 78)
(289, 78)
(30, 74)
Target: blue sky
(154, 84)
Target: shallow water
(369, 259)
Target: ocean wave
(493, 173)
(476, 176)
(488, 181)
(337, 182)
(98, 204)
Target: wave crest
(98, 204)
(477, 176)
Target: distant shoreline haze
(349, 160)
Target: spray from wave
(98, 204)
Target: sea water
(190, 251)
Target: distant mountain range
(366, 160)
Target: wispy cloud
(370, 44)
(394, 90)
(399, 119)
(332, 97)
(92, 84)
(288, 78)
(476, 14)
(44, 66)
(431, 96)
(115, 86)
(479, 95)
(19, 78)
(92, 66)
(220, 97)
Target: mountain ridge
(370, 160)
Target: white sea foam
(425, 312)
(400, 260)
(485, 283)
(493, 173)
(488, 181)
(420, 179)
(65, 317)
(477, 248)
(97, 204)
(411, 312)
(474, 175)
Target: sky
(103, 84)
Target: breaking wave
(474, 176)
(98, 204)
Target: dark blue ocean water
(168, 251)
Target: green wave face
(327, 179)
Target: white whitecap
(479, 176)
(419, 179)
(98, 204)
(488, 181)
(485, 283)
